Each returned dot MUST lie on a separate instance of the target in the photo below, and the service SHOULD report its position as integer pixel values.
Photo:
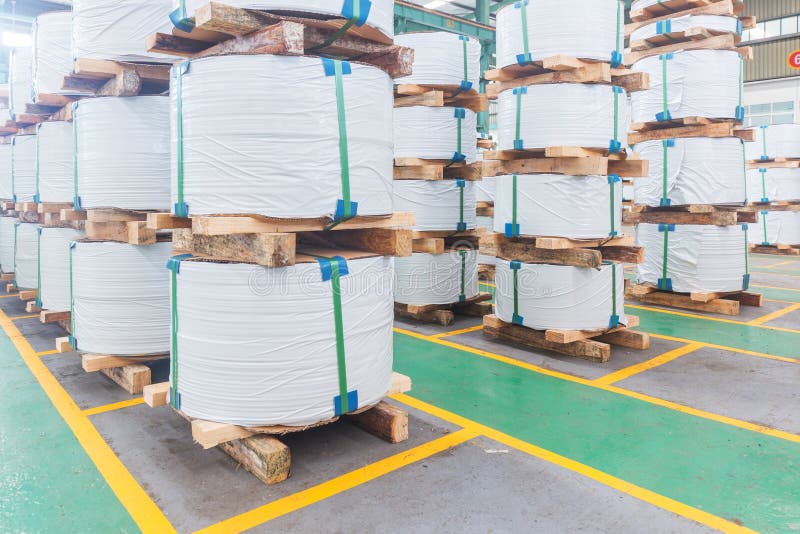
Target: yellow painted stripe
(761, 429)
(705, 318)
(618, 484)
(774, 315)
(135, 500)
(667, 357)
(46, 352)
(339, 484)
(778, 287)
(776, 274)
(779, 264)
(113, 406)
(730, 349)
(8, 296)
(24, 317)
(487, 284)
(457, 332)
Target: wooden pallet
(676, 8)
(722, 303)
(669, 38)
(593, 345)
(26, 295)
(220, 29)
(444, 314)
(263, 454)
(778, 205)
(128, 372)
(436, 169)
(774, 163)
(281, 243)
(578, 161)
(564, 69)
(437, 96)
(723, 41)
(688, 127)
(777, 250)
(54, 316)
(690, 214)
(485, 209)
(112, 224)
(588, 253)
(100, 77)
(50, 215)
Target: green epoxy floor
(49, 483)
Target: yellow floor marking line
(774, 315)
(761, 429)
(611, 481)
(729, 349)
(662, 359)
(779, 264)
(24, 317)
(139, 505)
(715, 319)
(47, 352)
(486, 284)
(339, 484)
(776, 274)
(457, 332)
(778, 287)
(113, 406)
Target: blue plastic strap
(174, 263)
(666, 227)
(516, 318)
(614, 319)
(664, 26)
(180, 18)
(360, 17)
(326, 267)
(615, 146)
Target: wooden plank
(92, 363)
(720, 129)
(53, 207)
(385, 421)
(426, 172)
(284, 38)
(131, 378)
(54, 316)
(568, 336)
(400, 384)
(380, 241)
(140, 234)
(156, 395)
(223, 225)
(682, 301)
(210, 434)
(720, 8)
(677, 215)
(63, 344)
(265, 457)
(167, 221)
(631, 339)
(28, 294)
(571, 166)
(528, 253)
(588, 73)
(429, 246)
(7, 277)
(440, 317)
(31, 307)
(718, 42)
(268, 249)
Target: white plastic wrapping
(771, 185)
(559, 297)
(52, 52)
(380, 16)
(588, 29)
(120, 296)
(117, 29)
(7, 225)
(782, 228)
(23, 154)
(439, 58)
(291, 170)
(577, 207)
(55, 162)
(123, 152)
(20, 82)
(424, 279)
(679, 24)
(700, 170)
(257, 346)
(433, 133)
(26, 255)
(437, 204)
(563, 114)
(776, 141)
(699, 258)
(700, 83)
(485, 189)
(54, 246)
(6, 187)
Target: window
(773, 28)
(766, 114)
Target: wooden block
(11, 288)
(167, 221)
(246, 224)
(140, 234)
(107, 231)
(626, 338)
(28, 294)
(156, 395)
(385, 421)
(210, 434)
(568, 336)
(97, 362)
(676, 300)
(269, 250)
(31, 307)
(266, 457)
(63, 344)
(529, 253)
(745, 298)
(400, 384)
(53, 316)
(72, 215)
(476, 309)
(7, 277)
(131, 378)
(381, 241)
(429, 246)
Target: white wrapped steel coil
(120, 298)
(587, 29)
(284, 368)
(485, 189)
(52, 52)
(776, 228)
(577, 207)
(771, 185)
(246, 168)
(435, 133)
(54, 244)
(6, 184)
(699, 170)
(448, 278)
(698, 259)
(54, 160)
(23, 155)
(378, 14)
(559, 297)
(441, 57)
(438, 205)
(776, 141)
(20, 84)
(7, 225)
(26, 255)
(627, 193)
(122, 152)
(118, 29)
(700, 83)
(563, 114)
(686, 22)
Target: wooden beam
(385, 421)
(265, 457)
(268, 249)
(156, 395)
(92, 363)
(131, 378)
(224, 225)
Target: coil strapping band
(174, 266)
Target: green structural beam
(411, 16)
